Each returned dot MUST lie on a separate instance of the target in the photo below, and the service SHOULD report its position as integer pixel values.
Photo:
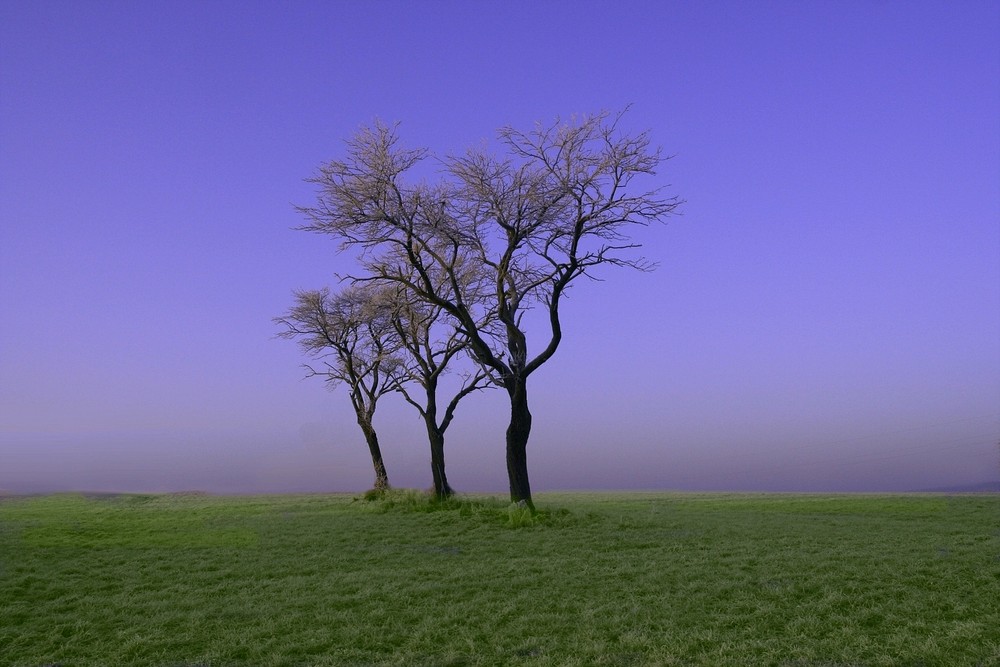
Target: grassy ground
(598, 579)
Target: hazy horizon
(825, 315)
(331, 457)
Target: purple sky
(826, 315)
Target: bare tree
(433, 347)
(353, 336)
(506, 234)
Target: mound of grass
(489, 509)
(591, 579)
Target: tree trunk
(435, 435)
(381, 476)
(517, 441)
(442, 489)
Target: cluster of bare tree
(450, 269)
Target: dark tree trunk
(517, 442)
(442, 489)
(435, 435)
(381, 476)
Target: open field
(598, 579)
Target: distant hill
(982, 487)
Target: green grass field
(595, 579)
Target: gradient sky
(826, 315)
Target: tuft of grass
(590, 579)
(519, 515)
